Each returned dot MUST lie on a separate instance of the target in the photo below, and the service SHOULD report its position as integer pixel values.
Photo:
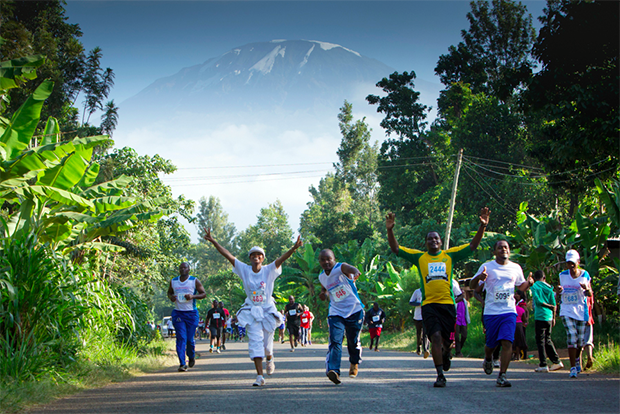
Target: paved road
(388, 382)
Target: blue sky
(143, 41)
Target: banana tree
(50, 188)
(303, 281)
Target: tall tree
(211, 215)
(271, 231)
(345, 206)
(494, 56)
(406, 162)
(573, 100)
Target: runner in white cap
(258, 314)
(574, 287)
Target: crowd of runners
(441, 312)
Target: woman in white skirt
(258, 314)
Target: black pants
(460, 336)
(544, 343)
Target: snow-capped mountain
(291, 73)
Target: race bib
(502, 295)
(258, 297)
(570, 296)
(304, 320)
(181, 295)
(216, 316)
(292, 312)
(436, 271)
(375, 318)
(339, 292)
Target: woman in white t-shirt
(258, 314)
(574, 287)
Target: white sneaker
(542, 369)
(260, 381)
(270, 366)
(217, 350)
(555, 367)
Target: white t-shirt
(500, 286)
(343, 298)
(258, 287)
(574, 303)
(417, 297)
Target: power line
(217, 177)
(501, 201)
(244, 181)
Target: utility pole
(446, 240)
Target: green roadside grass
(99, 365)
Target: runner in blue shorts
(499, 278)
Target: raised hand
(298, 243)
(390, 220)
(207, 235)
(484, 216)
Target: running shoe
(182, 368)
(211, 350)
(217, 350)
(417, 352)
(557, 366)
(578, 365)
(370, 348)
(353, 370)
(573, 372)
(270, 366)
(487, 366)
(589, 364)
(502, 381)
(426, 354)
(542, 369)
(441, 382)
(334, 377)
(292, 349)
(446, 361)
(496, 363)
(192, 362)
(260, 381)
(223, 347)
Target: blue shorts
(500, 328)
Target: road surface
(388, 382)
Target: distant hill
(290, 74)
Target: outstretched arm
(484, 221)
(389, 224)
(350, 271)
(288, 254)
(218, 247)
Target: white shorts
(260, 340)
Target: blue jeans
(185, 324)
(338, 326)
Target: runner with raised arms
(258, 314)
(346, 313)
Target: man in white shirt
(499, 278)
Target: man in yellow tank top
(435, 267)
